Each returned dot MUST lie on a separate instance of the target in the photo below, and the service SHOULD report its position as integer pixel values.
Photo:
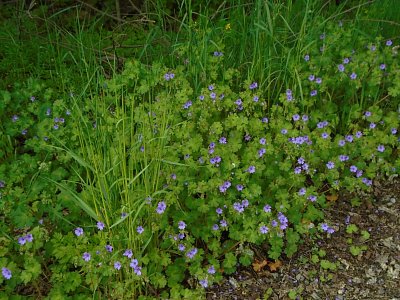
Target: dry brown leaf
(259, 265)
(273, 266)
(332, 197)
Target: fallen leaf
(259, 265)
(273, 266)
(332, 197)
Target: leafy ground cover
(156, 171)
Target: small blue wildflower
(251, 169)
(117, 265)
(318, 80)
(330, 165)
(264, 229)
(239, 187)
(312, 198)
(78, 231)
(313, 93)
(48, 112)
(372, 125)
(100, 225)
(302, 191)
(341, 143)
(353, 76)
(211, 270)
(359, 173)
(22, 240)
(267, 208)
(289, 96)
(213, 95)
(353, 169)
(296, 117)
(253, 86)
(256, 98)
(219, 211)
(311, 77)
(201, 97)
(304, 118)
(261, 152)
(274, 223)
(161, 206)
(264, 120)
(359, 134)
(203, 283)
(6, 273)
(181, 225)
(191, 253)
(297, 170)
(238, 207)
(343, 158)
(284, 131)
(223, 223)
(215, 227)
(306, 57)
(109, 248)
(341, 68)
(15, 118)
(324, 135)
(123, 215)
(140, 229)
(393, 131)
(222, 140)
(181, 247)
(33, 98)
(86, 256)
(187, 104)
(381, 148)
(346, 60)
(389, 43)
(382, 66)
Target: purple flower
(349, 138)
(274, 223)
(389, 43)
(346, 60)
(213, 95)
(109, 248)
(14, 118)
(238, 207)
(372, 125)
(140, 229)
(6, 273)
(239, 102)
(48, 112)
(343, 158)
(191, 253)
(256, 98)
(222, 140)
(264, 229)
(86, 256)
(312, 198)
(251, 169)
(296, 117)
(24, 132)
(161, 206)
(330, 165)
(267, 208)
(123, 215)
(78, 231)
(22, 240)
(117, 265)
(264, 120)
(307, 57)
(324, 135)
(215, 227)
(393, 131)
(187, 104)
(302, 191)
(341, 68)
(29, 238)
(261, 152)
(253, 86)
(203, 283)
(181, 247)
(359, 173)
(367, 114)
(353, 76)
(358, 134)
(211, 270)
(353, 169)
(33, 98)
(201, 97)
(223, 223)
(311, 77)
(211, 87)
(181, 225)
(284, 131)
(324, 227)
(304, 118)
(381, 148)
(100, 225)
(313, 93)
(297, 170)
(219, 211)
(382, 67)
(342, 143)
(263, 141)
(289, 96)
(239, 187)
(128, 253)
(318, 80)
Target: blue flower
(6, 273)
(181, 225)
(78, 231)
(117, 265)
(100, 225)
(86, 256)
(140, 229)
(161, 206)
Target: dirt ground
(372, 274)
